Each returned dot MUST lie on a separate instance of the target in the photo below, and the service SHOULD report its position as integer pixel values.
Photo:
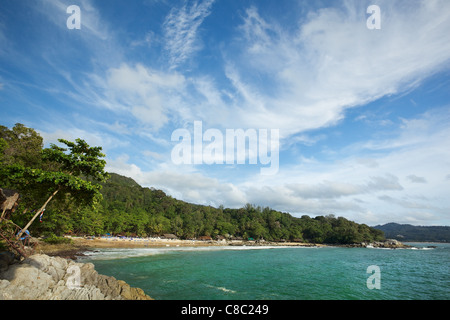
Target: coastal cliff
(41, 277)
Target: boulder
(6, 258)
(40, 277)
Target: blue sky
(363, 115)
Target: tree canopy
(72, 172)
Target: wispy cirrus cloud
(332, 62)
(180, 30)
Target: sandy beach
(83, 244)
(117, 242)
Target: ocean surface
(281, 273)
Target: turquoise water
(246, 273)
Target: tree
(3, 146)
(21, 145)
(69, 171)
(176, 225)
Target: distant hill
(122, 181)
(407, 232)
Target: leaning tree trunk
(8, 202)
(37, 214)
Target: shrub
(54, 239)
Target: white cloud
(191, 186)
(331, 63)
(370, 190)
(93, 138)
(367, 191)
(181, 27)
(121, 166)
(152, 154)
(149, 95)
(415, 179)
(334, 62)
(334, 189)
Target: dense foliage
(136, 210)
(41, 174)
(127, 208)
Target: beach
(79, 245)
(125, 242)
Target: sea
(281, 273)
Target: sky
(346, 110)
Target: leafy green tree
(86, 221)
(23, 146)
(226, 228)
(74, 171)
(3, 146)
(176, 225)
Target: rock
(6, 258)
(130, 293)
(389, 243)
(41, 277)
(28, 282)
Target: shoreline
(104, 242)
(80, 245)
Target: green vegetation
(126, 208)
(66, 174)
(129, 209)
(53, 239)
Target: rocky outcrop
(386, 244)
(389, 244)
(40, 277)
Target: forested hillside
(129, 208)
(126, 208)
(407, 232)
